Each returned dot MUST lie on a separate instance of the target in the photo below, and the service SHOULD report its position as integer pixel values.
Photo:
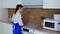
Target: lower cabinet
(6, 28)
(24, 32)
(1, 32)
(39, 32)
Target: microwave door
(49, 24)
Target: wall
(34, 15)
(0, 25)
(0, 3)
(3, 16)
(3, 12)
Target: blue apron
(17, 29)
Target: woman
(17, 19)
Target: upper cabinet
(51, 4)
(11, 3)
(32, 2)
(26, 3)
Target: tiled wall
(34, 15)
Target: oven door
(24, 32)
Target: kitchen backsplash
(35, 15)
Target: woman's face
(21, 9)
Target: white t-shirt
(17, 18)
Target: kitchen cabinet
(10, 3)
(6, 28)
(32, 2)
(1, 28)
(26, 32)
(26, 3)
(51, 4)
(39, 32)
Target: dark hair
(18, 6)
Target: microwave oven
(51, 24)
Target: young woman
(17, 19)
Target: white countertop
(6, 21)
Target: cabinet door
(24, 32)
(1, 28)
(40, 32)
(6, 28)
(51, 4)
(32, 2)
(10, 3)
(37, 32)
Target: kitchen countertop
(43, 30)
(6, 21)
(34, 28)
(38, 28)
